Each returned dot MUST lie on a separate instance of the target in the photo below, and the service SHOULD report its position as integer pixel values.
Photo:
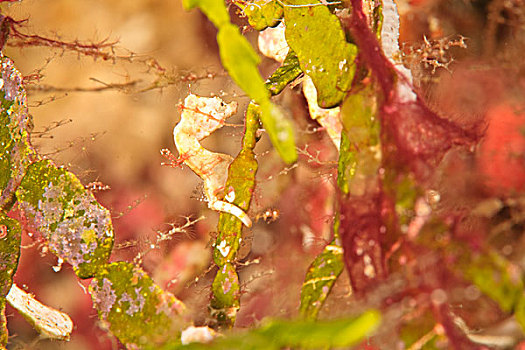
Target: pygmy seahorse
(199, 118)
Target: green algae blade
(346, 164)
(76, 227)
(319, 280)
(262, 13)
(240, 185)
(328, 265)
(225, 302)
(15, 123)
(139, 313)
(357, 163)
(313, 335)
(240, 61)
(492, 274)
(10, 239)
(330, 62)
(215, 10)
(280, 131)
(304, 334)
(285, 74)
(360, 150)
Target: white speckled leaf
(76, 227)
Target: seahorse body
(200, 117)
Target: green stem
(241, 183)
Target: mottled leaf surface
(14, 125)
(285, 74)
(262, 13)
(138, 312)
(330, 62)
(320, 278)
(10, 239)
(77, 228)
(225, 302)
(360, 156)
(240, 185)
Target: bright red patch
(501, 159)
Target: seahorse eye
(258, 135)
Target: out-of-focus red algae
(501, 158)
(414, 139)
(361, 223)
(412, 133)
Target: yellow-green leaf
(330, 61)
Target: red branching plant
(414, 135)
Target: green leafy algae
(360, 155)
(346, 164)
(213, 9)
(14, 126)
(240, 183)
(225, 302)
(280, 131)
(240, 60)
(10, 239)
(497, 278)
(304, 334)
(320, 278)
(312, 335)
(357, 167)
(285, 74)
(359, 143)
(77, 228)
(138, 311)
(262, 13)
(327, 266)
(330, 62)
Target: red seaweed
(414, 135)
(361, 230)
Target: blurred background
(107, 118)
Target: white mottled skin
(200, 117)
